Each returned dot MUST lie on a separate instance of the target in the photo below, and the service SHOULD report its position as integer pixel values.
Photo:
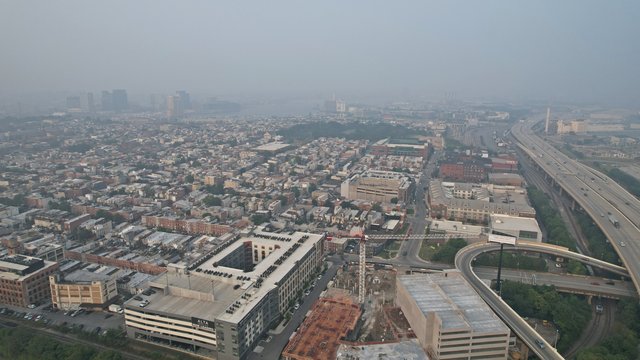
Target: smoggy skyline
(556, 51)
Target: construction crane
(362, 262)
(362, 265)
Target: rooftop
(453, 300)
(188, 296)
(274, 146)
(407, 350)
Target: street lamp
(555, 343)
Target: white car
(296, 306)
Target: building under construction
(319, 336)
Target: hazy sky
(562, 50)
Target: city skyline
(571, 51)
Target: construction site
(346, 316)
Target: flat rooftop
(406, 350)
(288, 248)
(219, 292)
(81, 276)
(189, 296)
(506, 222)
(453, 300)
(274, 146)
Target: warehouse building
(450, 319)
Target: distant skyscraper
(335, 106)
(73, 103)
(120, 100)
(106, 101)
(174, 107)
(90, 104)
(185, 99)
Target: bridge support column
(499, 282)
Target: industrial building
(379, 186)
(450, 320)
(476, 202)
(226, 300)
(82, 289)
(405, 147)
(24, 280)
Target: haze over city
(286, 180)
(581, 51)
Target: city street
(276, 342)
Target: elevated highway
(568, 283)
(464, 260)
(594, 192)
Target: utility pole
(499, 284)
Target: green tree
(312, 187)
(258, 219)
(189, 179)
(447, 252)
(217, 189)
(394, 200)
(211, 200)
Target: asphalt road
(596, 193)
(410, 249)
(273, 348)
(571, 283)
(508, 315)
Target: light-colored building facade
(82, 289)
(449, 319)
(227, 299)
(379, 186)
(518, 227)
(476, 202)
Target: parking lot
(87, 321)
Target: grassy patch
(427, 250)
(394, 246)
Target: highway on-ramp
(464, 260)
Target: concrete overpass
(594, 192)
(463, 262)
(568, 283)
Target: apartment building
(229, 298)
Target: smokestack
(546, 125)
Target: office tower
(90, 104)
(185, 99)
(73, 102)
(174, 107)
(106, 101)
(120, 101)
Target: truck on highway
(614, 221)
